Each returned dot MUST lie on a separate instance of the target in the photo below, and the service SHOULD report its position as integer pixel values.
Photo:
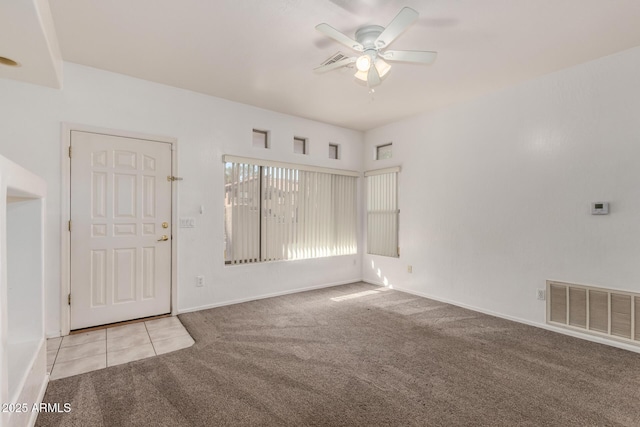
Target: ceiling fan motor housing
(368, 35)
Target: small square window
(333, 151)
(300, 145)
(383, 151)
(260, 139)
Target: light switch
(187, 222)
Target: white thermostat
(600, 208)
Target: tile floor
(89, 351)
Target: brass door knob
(165, 225)
(163, 238)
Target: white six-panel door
(120, 229)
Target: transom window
(384, 151)
(334, 151)
(260, 138)
(300, 145)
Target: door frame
(65, 213)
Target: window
(260, 139)
(333, 151)
(280, 211)
(383, 151)
(382, 212)
(299, 145)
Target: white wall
(495, 194)
(206, 128)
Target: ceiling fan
(372, 41)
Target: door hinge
(174, 178)
(69, 225)
(69, 299)
(69, 151)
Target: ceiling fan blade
(373, 78)
(401, 22)
(329, 31)
(342, 63)
(421, 57)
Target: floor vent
(603, 312)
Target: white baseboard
(563, 331)
(271, 295)
(43, 389)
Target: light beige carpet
(349, 356)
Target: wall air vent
(334, 58)
(598, 311)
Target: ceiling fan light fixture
(363, 63)
(382, 66)
(361, 75)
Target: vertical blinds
(283, 213)
(382, 212)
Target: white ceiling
(262, 52)
(28, 37)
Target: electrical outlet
(409, 268)
(541, 294)
(199, 281)
(354, 262)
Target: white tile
(173, 344)
(125, 341)
(81, 351)
(169, 332)
(78, 366)
(84, 338)
(53, 343)
(120, 331)
(130, 354)
(51, 356)
(165, 322)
